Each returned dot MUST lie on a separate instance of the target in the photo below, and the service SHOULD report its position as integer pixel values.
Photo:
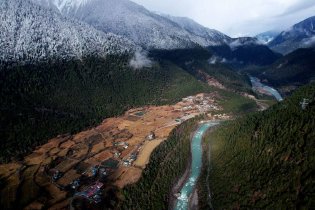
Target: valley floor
(114, 153)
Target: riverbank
(260, 161)
(261, 88)
(121, 146)
(184, 192)
(113, 145)
(203, 186)
(181, 181)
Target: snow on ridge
(30, 33)
(207, 37)
(300, 35)
(145, 28)
(66, 4)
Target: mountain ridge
(268, 36)
(30, 33)
(145, 28)
(300, 35)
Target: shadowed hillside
(265, 160)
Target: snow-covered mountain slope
(301, 35)
(68, 4)
(211, 36)
(126, 18)
(30, 33)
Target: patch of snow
(62, 4)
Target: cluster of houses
(56, 175)
(200, 102)
(130, 159)
(93, 193)
(99, 171)
(86, 179)
(151, 136)
(125, 145)
(92, 177)
(221, 116)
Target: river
(257, 85)
(182, 202)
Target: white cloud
(235, 17)
(308, 42)
(140, 60)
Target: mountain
(264, 160)
(30, 33)
(291, 71)
(156, 31)
(196, 62)
(70, 75)
(128, 19)
(243, 51)
(267, 37)
(212, 36)
(301, 35)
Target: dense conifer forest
(265, 160)
(40, 101)
(167, 164)
(293, 69)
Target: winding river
(257, 85)
(186, 191)
(182, 202)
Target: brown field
(128, 177)
(144, 155)
(68, 177)
(114, 139)
(103, 155)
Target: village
(112, 154)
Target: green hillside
(41, 101)
(196, 60)
(167, 163)
(293, 70)
(265, 160)
(296, 67)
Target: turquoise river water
(257, 84)
(182, 202)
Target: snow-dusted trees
(30, 33)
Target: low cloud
(140, 60)
(309, 42)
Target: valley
(264, 160)
(185, 195)
(111, 104)
(264, 89)
(115, 153)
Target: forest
(167, 164)
(40, 101)
(293, 70)
(264, 160)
